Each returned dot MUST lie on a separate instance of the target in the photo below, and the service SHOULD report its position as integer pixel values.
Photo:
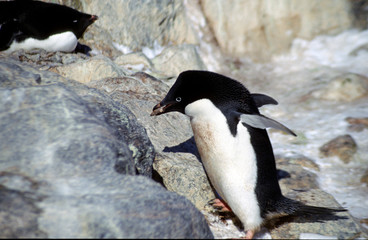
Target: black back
(21, 19)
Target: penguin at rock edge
(231, 137)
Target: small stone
(357, 124)
(343, 147)
(364, 178)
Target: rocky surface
(82, 152)
(68, 163)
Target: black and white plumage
(28, 24)
(234, 146)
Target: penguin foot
(220, 205)
(250, 234)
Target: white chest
(64, 42)
(229, 161)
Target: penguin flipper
(262, 99)
(262, 122)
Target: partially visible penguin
(234, 146)
(28, 24)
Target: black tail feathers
(295, 208)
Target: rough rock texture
(341, 228)
(142, 23)
(174, 60)
(300, 178)
(343, 147)
(262, 28)
(67, 153)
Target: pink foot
(250, 234)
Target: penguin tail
(314, 210)
(310, 213)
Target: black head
(190, 86)
(41, 19)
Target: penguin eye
(75, 21)
(178, 99)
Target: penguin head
(190, 86)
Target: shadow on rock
(188, 146)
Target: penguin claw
(220, 205)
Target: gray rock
(300, 178)
(136, 24)
(67, 153)
(343, 147)
(135, 208)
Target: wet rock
(357, 124)
(343, 228)
(364, 178)
(343, 147)
(68, 165)
(346, 88)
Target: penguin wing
(262, 99)
(262, 122)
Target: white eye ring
(74, 21)
(178, 99)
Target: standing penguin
(234, 146)
(28, 24)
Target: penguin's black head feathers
(190, 86)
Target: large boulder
(68, 163)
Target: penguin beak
(93, 18)
(160, 109)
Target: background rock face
(140, 23)
(262, 28)
(257, 29)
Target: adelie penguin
(28, 24)
(234, 146)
